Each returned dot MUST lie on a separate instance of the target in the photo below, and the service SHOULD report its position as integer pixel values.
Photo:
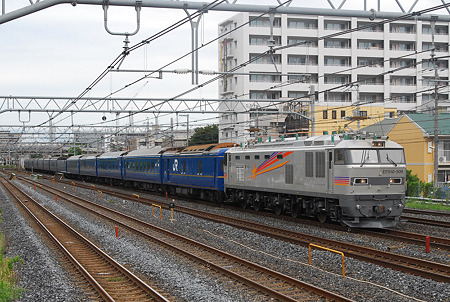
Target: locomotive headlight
(358, 207)
(360, 181)
(395, 181)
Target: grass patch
(425, 205)
(112, 201)
(8, 277)
(115, 279)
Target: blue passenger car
(109, 165)
(88, 165)
(73, 166)
(61, 166)
(52, 165)
(142, 167)
(195, 170)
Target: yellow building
(344, 118)
(415, 132)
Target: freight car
(355, 180)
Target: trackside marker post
(137, 198)
(160, 210)
(117, 231)
(330, 250)
(427, 245)
(56, 198)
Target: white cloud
(59, 51)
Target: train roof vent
(318, 143)
(308, 143)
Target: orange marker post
(117, 231)
(56, 198)
(427, 244)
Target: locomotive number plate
(397, 171)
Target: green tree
(205, 135)
(78, 151)
(412, 181)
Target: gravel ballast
(363, 282)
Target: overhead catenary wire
(263, 54)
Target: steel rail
(104, 294)
(425, 212)
(439, 223)
(427, 269)
(249, 282)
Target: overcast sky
(59, 51)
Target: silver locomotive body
(360, 183)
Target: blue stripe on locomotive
(202, 171)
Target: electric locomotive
(358, 181)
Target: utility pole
(436, 119)
(312, 95)
(358, 112)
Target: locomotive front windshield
(369, 156)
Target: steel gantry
(26, 106)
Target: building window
(302, 23)
(264, 40)
(301, 41)
(406, 63)
(370, 62)
(268, 78)
(342, 113)
(297, 94)
(325, 114)
(333, 114)
(440, 47)
(403, 28)
(337, 79)
(337, 61)
(337, 43)
(369, 44)
(263, 22)
(405, 46)
(337, 25)
(270, 95)
(267, 59)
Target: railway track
(436, 271)
(425, 212)
(110, 280)
(267, 282)
(400, 236)
(432, 222)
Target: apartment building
(383, 65)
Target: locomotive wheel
(277, 209)
(322, 216)
(242, 202)
(295, 209)
(257, 205)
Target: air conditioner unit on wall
(442, 159)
